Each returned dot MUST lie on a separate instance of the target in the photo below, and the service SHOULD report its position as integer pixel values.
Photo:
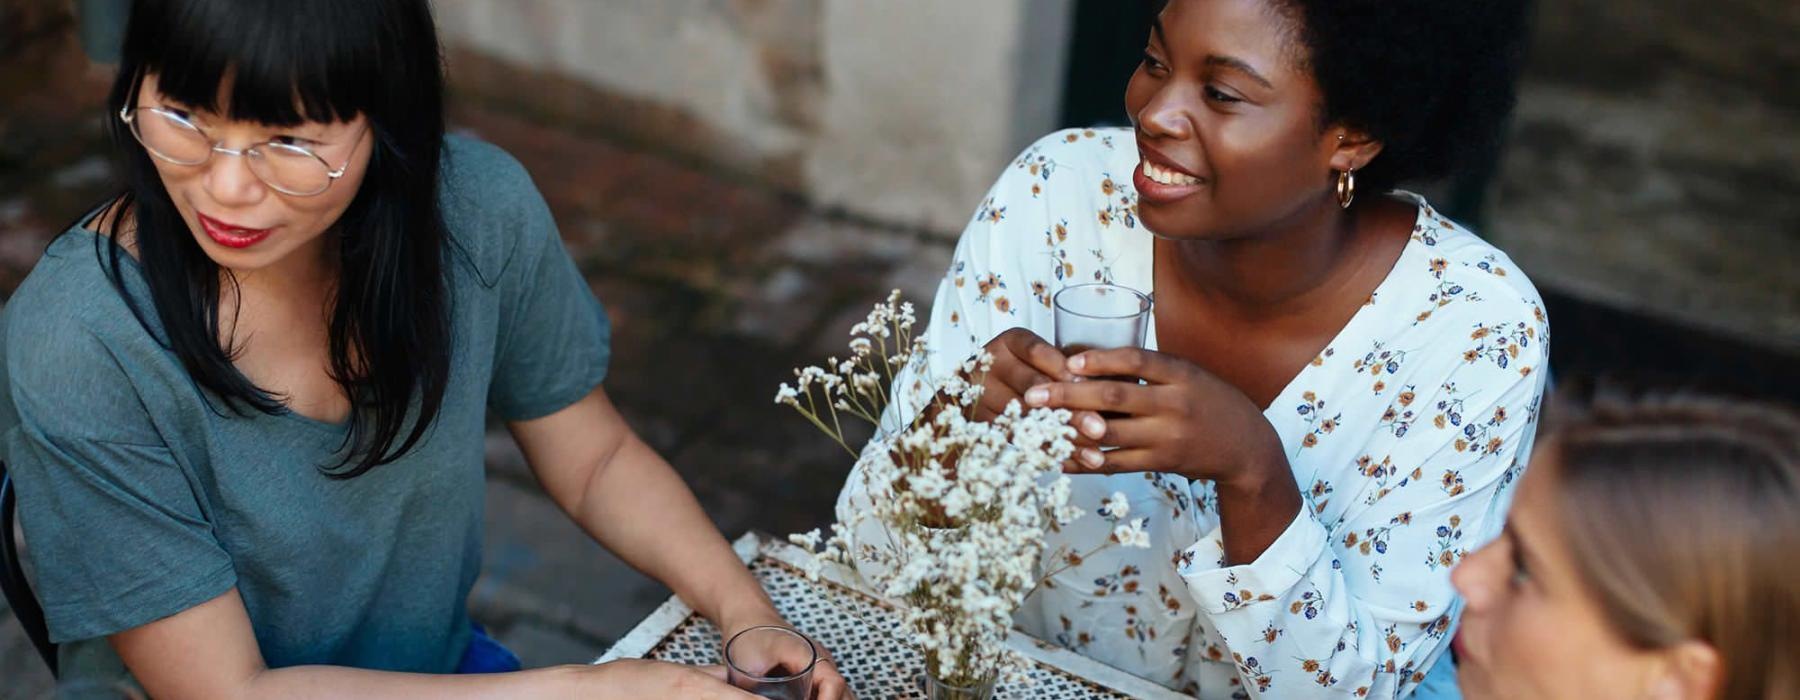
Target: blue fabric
(1440, 681)
(485, 654)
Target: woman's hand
(828, 683)
(1182, 419)
(1023, 360)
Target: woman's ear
(1688, 671)
(1351, 148)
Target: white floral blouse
(1404, 434)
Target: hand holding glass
(771, 662)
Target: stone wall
(1652, 167)
(901, 112)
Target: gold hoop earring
(1346, 188)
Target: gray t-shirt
(139, 501)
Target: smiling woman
(245, 401)
(1340, 384)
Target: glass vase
(941, 690)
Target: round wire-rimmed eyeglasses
(286, 168)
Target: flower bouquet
(959, 509)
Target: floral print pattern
(1405, 436)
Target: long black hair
(291, 61)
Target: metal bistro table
(864, 635)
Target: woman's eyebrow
(1231, 62)
(1239, 65)
(1526, 553)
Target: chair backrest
(12, 578)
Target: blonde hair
(1683, 516)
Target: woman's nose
(230, 181)
(1474, 577)
(1166, 114)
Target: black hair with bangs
(288, 62)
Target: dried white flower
(966, 504)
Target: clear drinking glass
(1100, 316)
(759, 660)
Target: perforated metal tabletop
(864, 636)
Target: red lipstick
(231, 235)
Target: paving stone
(22, 674)
(504, 458)
(539, 645)
(780, 310)
(675, 220)
(540, 567)
(767, 470)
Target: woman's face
(1531, 629)
(1227, 123)
(243, 224)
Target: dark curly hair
(1433, 80)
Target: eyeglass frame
(126, 114)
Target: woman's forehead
(1259, 32)
(1534, 516)
(220, 102)
(209, 109)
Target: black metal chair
(12, 578)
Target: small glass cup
(1100, 316)
(760, 660)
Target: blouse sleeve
(1360, 606)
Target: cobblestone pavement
(718, 286)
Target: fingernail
(1093, 427)
(1092, 457)
(1037, 396)
(1077, 362)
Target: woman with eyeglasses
(244, 401)
(1650, 554)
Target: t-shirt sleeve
(112, 518)
(555, 339)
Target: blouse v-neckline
(1143, 272)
